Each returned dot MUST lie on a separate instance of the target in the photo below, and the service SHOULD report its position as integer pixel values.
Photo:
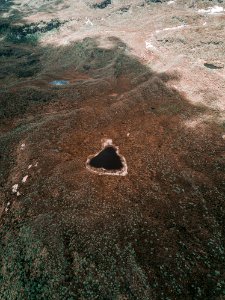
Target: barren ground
(151, 77)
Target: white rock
(15, 188)
(170, 2)
(106, 142)
(22, 147)
(88, 22)
(29, 167)
(24, 178)
(212, 10)
(149, 45)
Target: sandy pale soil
(149, 77)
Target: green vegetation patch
(30, 270)
(29, 33)
(16, 104)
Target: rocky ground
(148, 75)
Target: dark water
(107, 159)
